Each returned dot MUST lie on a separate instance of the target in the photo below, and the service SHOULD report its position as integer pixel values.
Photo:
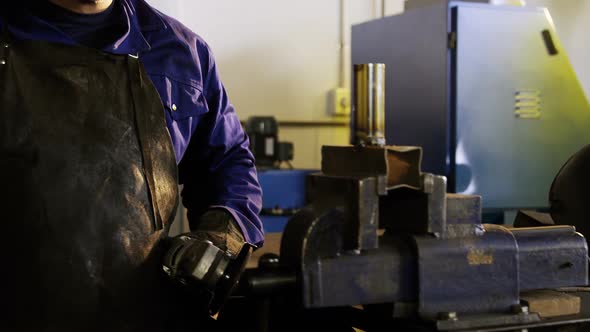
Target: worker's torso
(175, 59)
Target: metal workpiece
(395, 166)
(416, 211)
(368, 94)
(356, 161)
(431, 210)
(404, 164)
(354, 177)
(551, 257)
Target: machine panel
(520, 111)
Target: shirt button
(6, 45)
(2, 61)
(174, 108)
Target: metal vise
(377, 230)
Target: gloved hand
(219, 227)
(210, 259)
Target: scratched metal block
(359, 200)
(377, 276)
(395, 166)
(467, 275)
(551, 257)
(463, 209)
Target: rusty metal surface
(397, 166)
(354, 161)
(403, 167)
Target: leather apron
(89, 188)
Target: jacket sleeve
(218, 169)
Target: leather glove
(219, 227)
(210, 259)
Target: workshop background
(282, 58)
(286, 58)
(292, 60)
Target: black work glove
(209, 259)
(219, 227)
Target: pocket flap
(182, 100)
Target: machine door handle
(549, 43)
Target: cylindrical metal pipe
(368, 116)
(345, 44)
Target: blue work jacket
(215, 164)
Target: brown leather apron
(89, 188)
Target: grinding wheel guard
(204, 269)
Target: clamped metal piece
(204, 268)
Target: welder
(105, 107)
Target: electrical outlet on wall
(339, 102)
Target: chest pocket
(184, 105)
(182, 100)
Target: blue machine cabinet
(488, 93)
(283, 194)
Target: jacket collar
(148, 18)
(133, 41)
(140, 18)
